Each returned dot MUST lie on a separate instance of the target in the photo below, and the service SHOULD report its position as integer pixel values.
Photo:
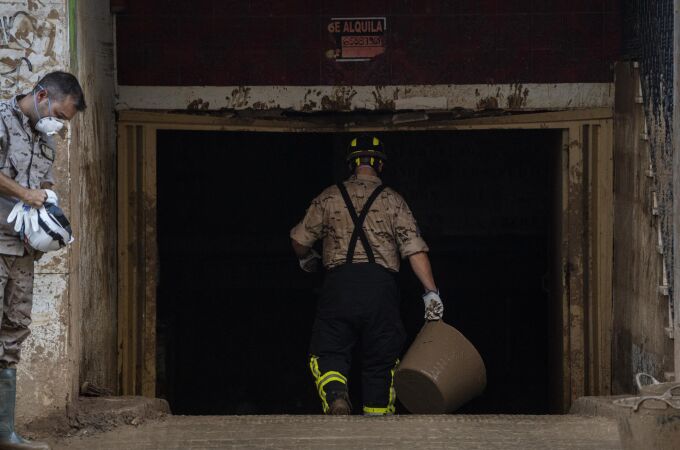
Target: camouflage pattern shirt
(26, 157)
(390, 226)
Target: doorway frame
(584, 227)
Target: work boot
(9, 440)
(340, 405)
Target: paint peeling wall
(33, 35)
(33, 42)
(48, 357)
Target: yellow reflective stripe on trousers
(390, 409)
(376, 411)
(322, 380)
(328, 377)
(393, 393)
(314, 366)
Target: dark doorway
(235, 312)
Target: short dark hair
(62, 84)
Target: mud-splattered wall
(33, 39)
(33, 42)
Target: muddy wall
(33, 42)
(533, 96)
(93, 170)
(641, 313)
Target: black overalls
(358, 302)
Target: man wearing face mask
(28, 125)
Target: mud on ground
(95, 415)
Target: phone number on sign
(362, 41)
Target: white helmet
(53, 231)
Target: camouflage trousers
(16, 289)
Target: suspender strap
(359, 232)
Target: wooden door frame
(585, 245)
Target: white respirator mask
(48, 125)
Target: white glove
(24, 217)
(311, 262)
(434, 308)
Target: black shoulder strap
(359, 232)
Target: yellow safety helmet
(366, 149)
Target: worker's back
(390, 227)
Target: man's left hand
(311, 261)
(24, 217)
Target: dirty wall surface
(93, 170)
(34, 35)
(648, 39)
(641, 313)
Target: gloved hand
(24, 217)
(434, 308)
(311, 262)
(51, 197)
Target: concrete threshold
(396, 432)
(145, 423)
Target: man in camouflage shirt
(26, 156)
(366, 229)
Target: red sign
(357, 38)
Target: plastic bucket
(440, 372)
(652, 423)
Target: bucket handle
(638, 379)
(669, 392)
(667, 398)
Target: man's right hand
(311, 261)
(434, 308)
(34, 198)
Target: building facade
(315, 68)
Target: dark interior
(235, 311)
